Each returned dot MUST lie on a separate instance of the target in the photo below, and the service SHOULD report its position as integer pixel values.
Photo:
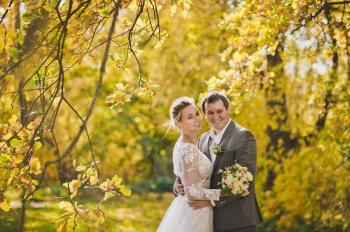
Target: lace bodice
(194, 169)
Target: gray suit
(238, 145)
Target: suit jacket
(238, 145)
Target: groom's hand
(179, 186)
(198, 204)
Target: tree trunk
(22, 213)
(281, 141)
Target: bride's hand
(179, 188)
(223, 194)
(198, 204)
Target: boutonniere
(217, 149)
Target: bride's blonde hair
(176, 108)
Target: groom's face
(217, 115)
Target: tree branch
(99, 83)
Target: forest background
(86, 88)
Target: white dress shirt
(215, 140)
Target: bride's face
(190, 120)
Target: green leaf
(14, 53)
(15, 142)
(4, 160)
(27, 17)
(53, 3)
(105, 12)
(20, 36)
(68, 3)
(37, 145)
(41, 73)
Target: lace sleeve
(192, 181)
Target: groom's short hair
(214, 96)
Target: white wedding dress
(194, 169)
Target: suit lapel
(225, 140)
(206, 150)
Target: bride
(194, 169)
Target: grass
(138, 213)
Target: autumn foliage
(86, 87)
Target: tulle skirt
(181, 218)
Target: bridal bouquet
(235, 180)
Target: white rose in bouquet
(235, 180)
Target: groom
(232, 213)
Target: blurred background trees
(284, 64)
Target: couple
(200, 204)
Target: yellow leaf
(5, 206)
(105, 185)
(125, 191)
(108, 195)
(74, 186)
(66, 206)
(35, 166)
(117, 180)
(94, 178)
(173, 9)
(13, 119)
(62, 227)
